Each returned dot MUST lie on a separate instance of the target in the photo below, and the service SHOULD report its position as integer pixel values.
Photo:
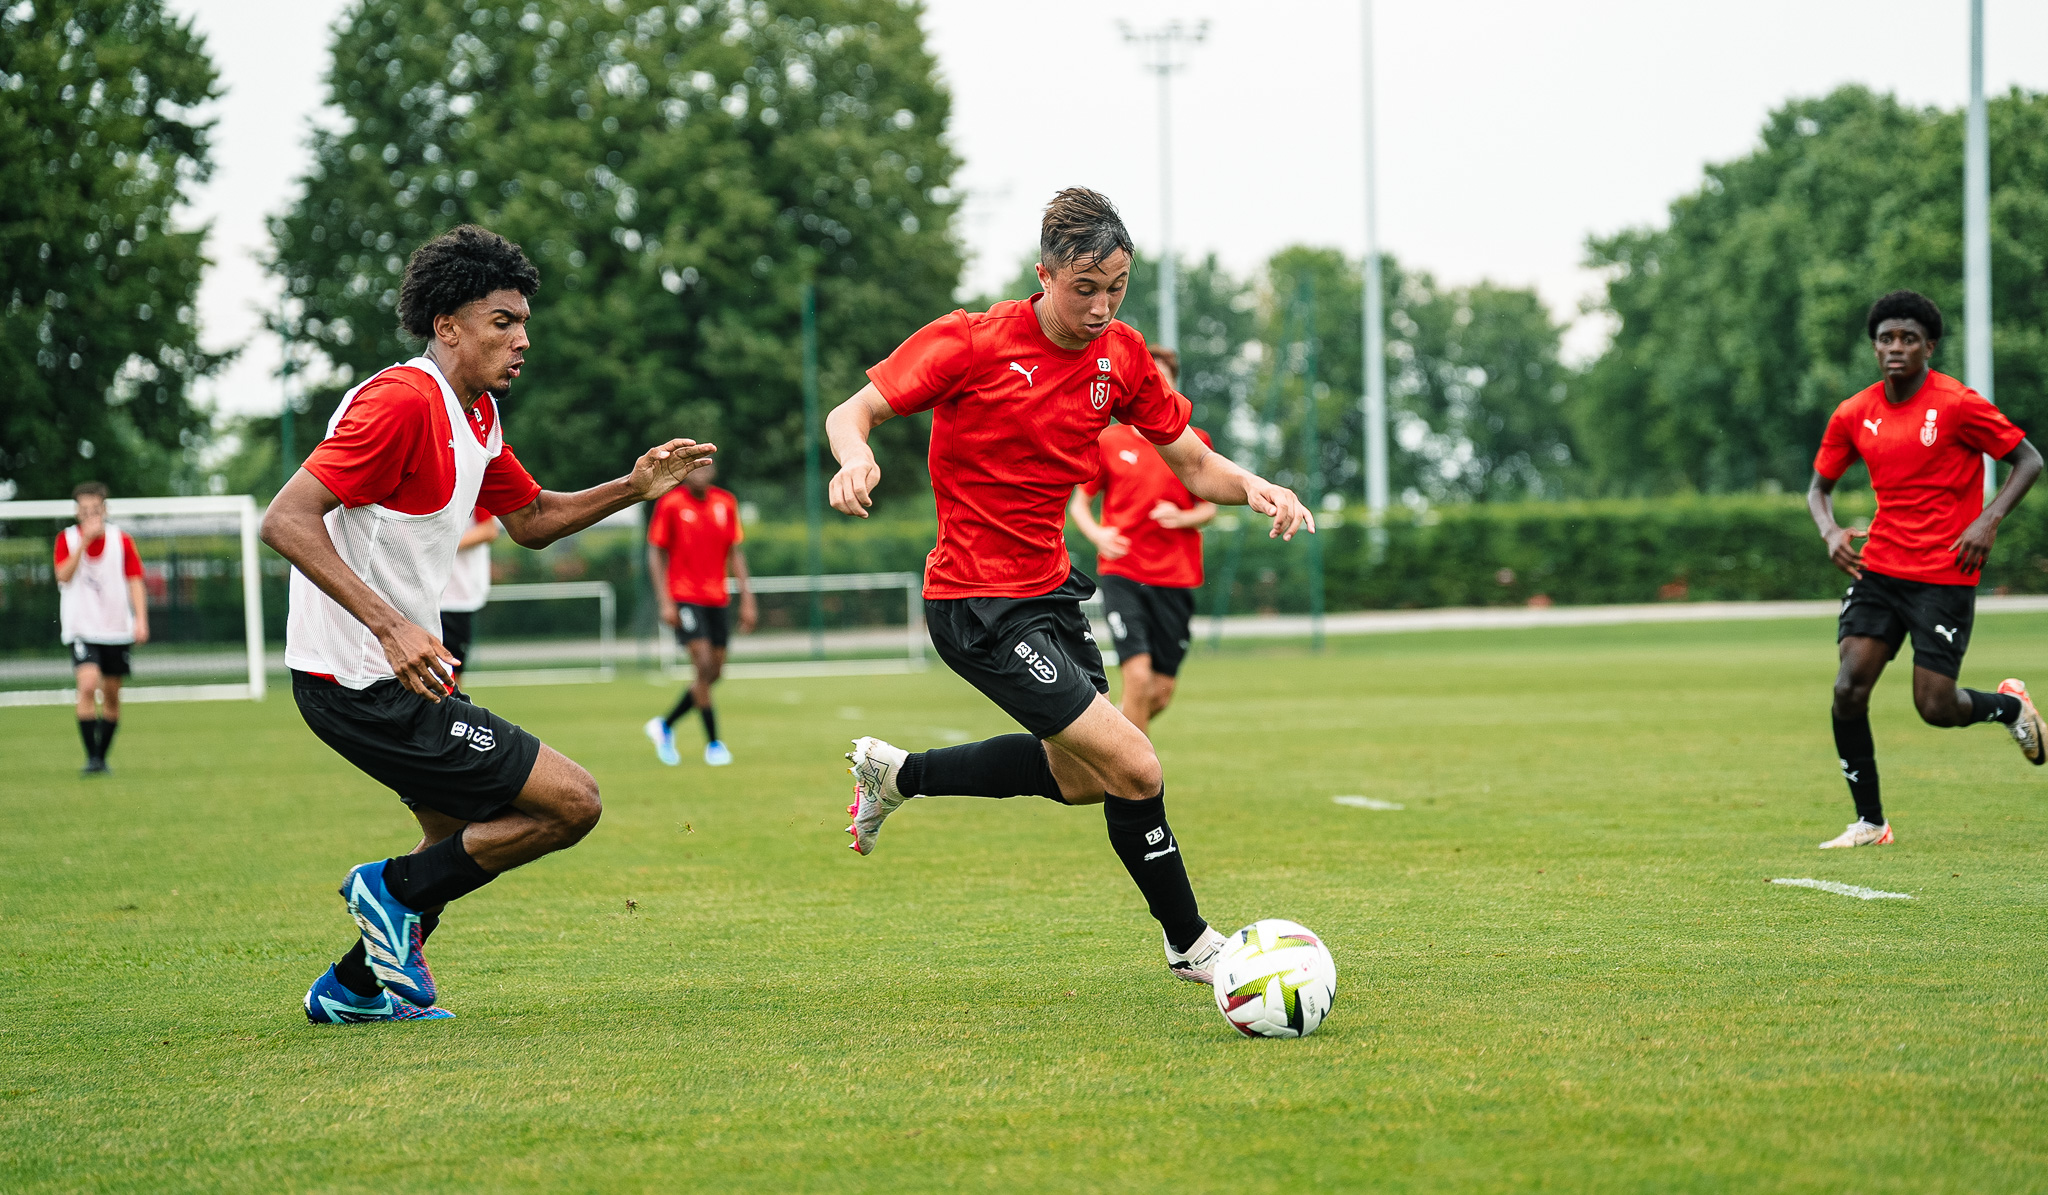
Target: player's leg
(111, 680)
(87, 674)
(1171, 612)
(707, 657)
(352, 971)
(1941, 618)
(1138, 702)
(662, 731)
(1863, 658)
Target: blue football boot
(329, 1002)
(392, 940)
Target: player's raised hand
(1842, 549)
(853, 487)
(1110, 543)
(1974, 544)
(1286, 510)
(663, 467)
(421, 661)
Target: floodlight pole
(1977, 234)
(814, 489)
(1375, 324)
(1164, 45)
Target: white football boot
(875, 795)
(2028, 732)
(1861, 833)
(1198, 965)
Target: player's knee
(1936, 709)
(1851, 696)
(577, 813)
(1139, 778)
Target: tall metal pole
(814, 488)
(1164, 43)
(1977, 234)
(1375, 320)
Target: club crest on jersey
(1041, 669)
(1098, 393)
(1927, 432)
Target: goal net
(837, 624)
(205, 585)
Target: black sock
(1858, 754)
(683, 705)
(435, 876)
(89, 734)
(1993, 707)
(109, 725)
(354, 968)
(710, 723)
(429, 922)
(1142, 839)
(1009, 765)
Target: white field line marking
(1845, 889)
(1367, 803)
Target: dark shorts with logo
(110, 658)
(1938, 617)
(452, 756)
(701, 622)
(1034, 657)
(458, 632)
(1149, 620)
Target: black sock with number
(353, 971)
(1009, 765)
(1993, 707)
(107, 728)
(710, 723)
(1142, 839)
(435, 876)
(89, 734)
(1858, 754)
(683, 705)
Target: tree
(677, 173)
(1740, 325)
(98, 344)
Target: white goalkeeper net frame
(607, 645)
(239, 509)
(872, 651)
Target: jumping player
(693, 539)
(1019, 396)
(1149, 543)
(1923, 436)
(103, 611)
(370, 525)
(468, 589)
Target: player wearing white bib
(371, 524)
(468, 589)
(103, 610)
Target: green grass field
(1562, 966)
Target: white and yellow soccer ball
(1275, 979)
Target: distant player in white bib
(468, 589)
(103, 611)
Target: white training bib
(406, 559)
(92, 607)
(469, 582)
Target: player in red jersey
(371, 524)
(1923, 436)
(103, 611)
(693, 539)
(1019, 397)
(1149, 544)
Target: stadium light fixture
(1163, 45)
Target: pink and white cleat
(2029, 732)
(875, 795)
(1861, 833)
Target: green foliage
(98, 344)
(1741, 324)
(676, 173)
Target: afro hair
(1906, 304)
(456, 268)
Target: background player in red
(103, 610)
(1923, 436)
(693, 538)
(1148, 545)
(1019, 396)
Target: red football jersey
(1132, 480)
(698, 536)
(392, 448)
(1926, 464)
(1014, 423)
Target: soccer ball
(1275, 979)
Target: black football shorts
(1034, 657)
(1938, 617)
(452, 756)
(458, 632)
(110, 658)
(1149, 620)
(701, 622)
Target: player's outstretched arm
(552, 515)
(1820, 503)
(1974, 544)
(1213, 477)
(847, 429)
(294, 527)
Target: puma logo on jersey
(1130, 458)
(1947, 633)
(1026, 372)
(1847, 774)
(1872, 425)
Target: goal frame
(544, 591)
(243, 508)
(675, 664)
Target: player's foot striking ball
(1923, 436)
(1019, 396)
(371, 524)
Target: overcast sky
(1509, 131)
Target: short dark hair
(1081, 227)
(1906, 304)
(89, 489)
(456, 268)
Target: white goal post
(911, 657)
(549, 591)
(240, 507)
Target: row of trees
(682, 172)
